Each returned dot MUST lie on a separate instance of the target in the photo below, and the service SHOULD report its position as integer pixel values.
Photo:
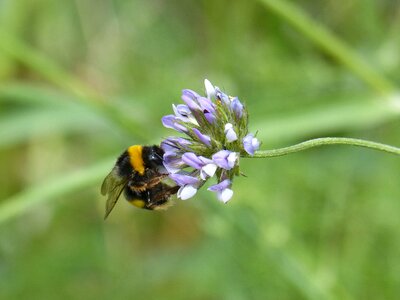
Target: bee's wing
(113, 185)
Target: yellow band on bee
(135, 154)
(137, 202)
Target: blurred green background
(82, 80)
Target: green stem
(322, 142)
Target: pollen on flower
(216, 132)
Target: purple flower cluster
(216, 134)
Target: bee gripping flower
(216, 132)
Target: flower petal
(182, 179)
(210, 117)
(172, 162)
(170, 121)
(208, 171)
(205, 139)
(230, 133)
(220, 186)
(192, 160)
(237, 107)
(232, 157)
(225, 195)
(206, 105)
(183, 113)
(210, 90)
(250, 144)
(186, 192)
(189, 97)
(174, 144)
(220, 159)
(222, 96)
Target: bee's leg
(138, 182)
(146, 181)
(165, 193)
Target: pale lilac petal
(210, 117)
(222, 96)
(170, 121)
(183, 113)
(237, 107)
(190, 93)
(205, 139)
(182, 179)
(205, 160)
(230, 133)
(208, 171)
(221, 159)
(206, 105)
(225, 195)
(173, 144)
(220, 186)
(186, 192)
(189, 97)
(168, 146)
(172, 162)
(232, 157)
(192, 160)
(250, 144)
(210, 90)
(181, 110)
(191, 104)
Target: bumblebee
(139, 173)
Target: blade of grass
(19, 127)
(250, 224)
(27, 93)
(52, 72)
(52, 189)
(331, 44)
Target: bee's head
(153, 156)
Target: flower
(216, 129)
(250, 144)
(225, 159)
(182, 112)
(230, 134)
(188, 185)
(224, 193)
